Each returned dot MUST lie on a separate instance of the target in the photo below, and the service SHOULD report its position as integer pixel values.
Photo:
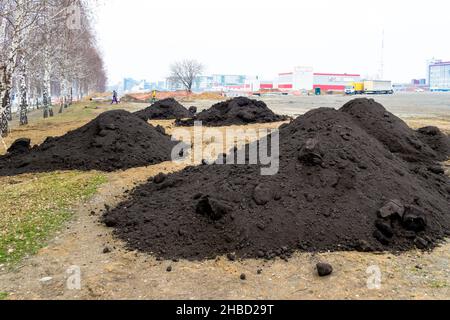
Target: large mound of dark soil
(114, 140)
(339, 187)
(167, 109)
(238, 111)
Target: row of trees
(47, 49)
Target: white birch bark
(23, 89)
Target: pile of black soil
(114, 140)
(339, 187)
(167, 109)
(426, 144)
(238, 111)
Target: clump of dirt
(166, 109)
(339, 187)
(237, 111)
(114, 140)
(437, 140)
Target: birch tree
(48, 48)
(18, 16)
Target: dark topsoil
(343, 184)
(237, 111)
(114, 140)
(167, 109)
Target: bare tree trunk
(8, 106)
(62, 99)
(8, 87)
(3, 93)
(45, 99)
(23, 105)
(61, 105)
(7, 96)
(46, 91)
(12, 57)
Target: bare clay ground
(121, 274)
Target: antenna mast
(382, 57)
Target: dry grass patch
(33, 206)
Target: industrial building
(303, 78)
(300, 79)
(439, 76)
(416, 85)
(218, 82)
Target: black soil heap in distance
(339, 187)
(237, 111)
(167, 109)
(114, 140)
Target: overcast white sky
(141, 38)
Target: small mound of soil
(167, 109)
(389, 130)
(238, 111)
(22, 145)
(339, 187)
(114, 140)
(437, 140)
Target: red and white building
(303, 78)
(300, 79)
(249, 86)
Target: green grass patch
(34, 206)
(3, 295)
(437, 284)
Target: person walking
(114, 98)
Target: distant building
(439, 76)
(202, 83)
(141, 86)
(147, 85)
(215, 82)
(304, 78)
(301, 78)
(129, 84)
(223, 80)
(414, 86)
(419, 82)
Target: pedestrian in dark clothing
(114, 98)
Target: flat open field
(40, 266)
(415, 108)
